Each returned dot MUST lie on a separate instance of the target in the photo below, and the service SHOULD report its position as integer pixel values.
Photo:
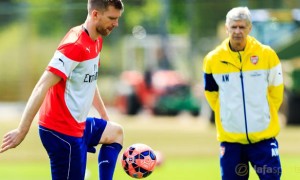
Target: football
(138, 161)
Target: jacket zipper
(244, 104)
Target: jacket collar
(235, 56)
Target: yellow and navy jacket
(245, 90)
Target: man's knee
(118, 131)
(113, 133)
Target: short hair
(104, 4)
(237, 14)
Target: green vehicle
(163, 92)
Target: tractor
(163, 92)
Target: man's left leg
(265, 160)
(99, 131)
(107, 160)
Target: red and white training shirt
(67, 104)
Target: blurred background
(153, 60)
(150, 77)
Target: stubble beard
(103, 32)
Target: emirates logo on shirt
(91, 77)
(254, 59)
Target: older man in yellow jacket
(244, 87)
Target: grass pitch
(188, 144)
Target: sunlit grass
(188, 145)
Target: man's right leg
(66, 155)
(234, 164)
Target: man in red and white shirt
(64, 95)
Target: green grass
(188, 145)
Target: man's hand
(11, 140)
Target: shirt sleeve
(61, 64)
(210, 86)
(275, 79)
